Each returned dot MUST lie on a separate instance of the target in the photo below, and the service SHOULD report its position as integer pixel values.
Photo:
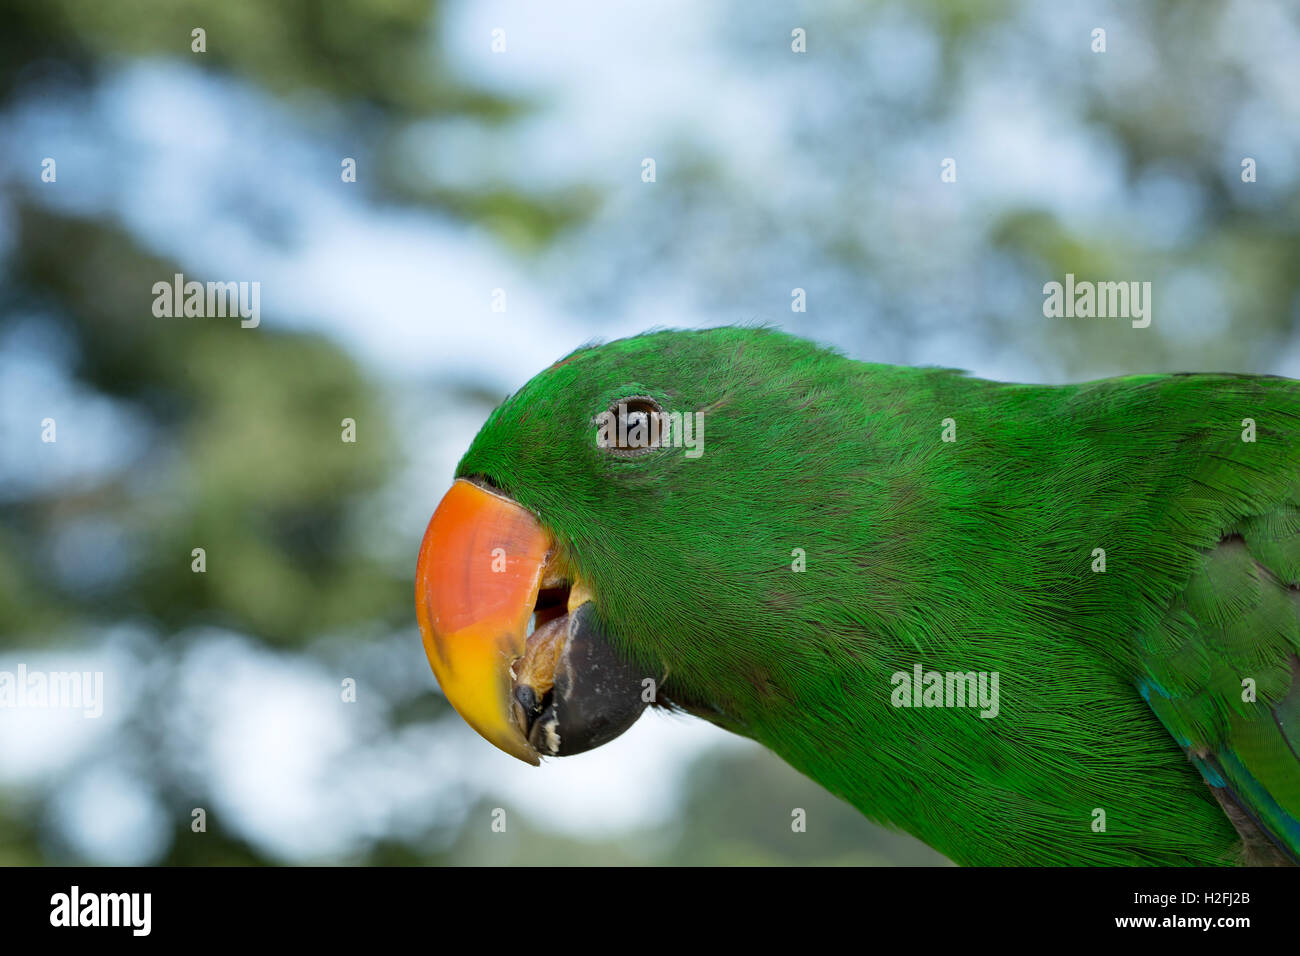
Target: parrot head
(620, 532)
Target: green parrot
(1041, 625)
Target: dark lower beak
(572, 692)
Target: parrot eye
(630, 427)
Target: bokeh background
(521, 171)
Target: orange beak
(476, 584)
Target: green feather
(973, 555)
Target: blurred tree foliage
(1116, 165)
(246, 458)
(242, 451)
